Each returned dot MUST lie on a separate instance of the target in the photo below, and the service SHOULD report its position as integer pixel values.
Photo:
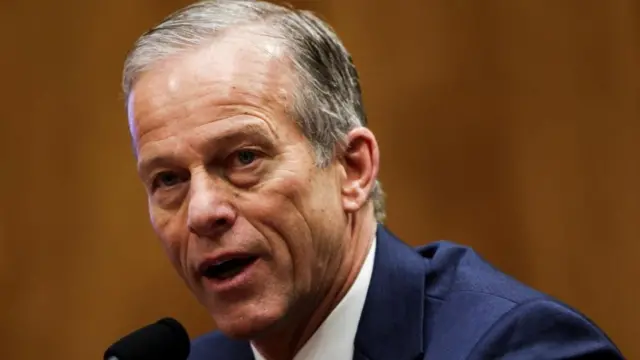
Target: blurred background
(510, 126)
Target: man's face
(247, 219)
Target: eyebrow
(250, 132)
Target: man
(251, 140)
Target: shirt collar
(334, 339)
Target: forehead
(244, 68)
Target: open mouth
(227, 269)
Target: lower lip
(238, 281)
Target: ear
(361, 162)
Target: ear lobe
(361, 161)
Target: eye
(245, 157)
(244, 167)
(167, 179)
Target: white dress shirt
(334, 338)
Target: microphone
(165, 339)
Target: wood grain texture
(511, 126)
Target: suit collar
(391, 324)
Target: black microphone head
(165, 339)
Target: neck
(285, 342)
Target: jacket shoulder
(455, 268)
(489, 314)
(544, 329)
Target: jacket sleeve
(544, 329)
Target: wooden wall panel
(512, 126)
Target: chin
(248, 324)
(246, 328)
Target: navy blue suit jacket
(442, 301)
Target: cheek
(293, 214)
(171, 234)
(280, 221)
(275, 211)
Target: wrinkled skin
(227, 170)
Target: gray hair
(328, 103)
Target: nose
(209, 213)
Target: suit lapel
(391, 325)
